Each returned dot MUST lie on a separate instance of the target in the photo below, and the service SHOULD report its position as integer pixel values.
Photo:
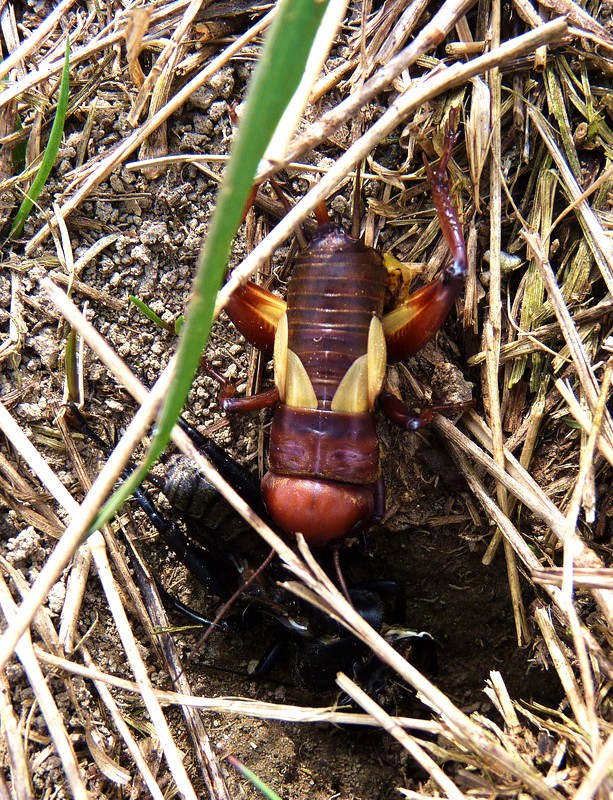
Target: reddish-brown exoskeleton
(332, 342)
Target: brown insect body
(336, 289)
(330, 342)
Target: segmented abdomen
(337, 285)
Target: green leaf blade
(51, 151)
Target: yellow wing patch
(291, 378)
(362, 382)
(280, 356)
(299, 391)
(377, 359)
(352, 392)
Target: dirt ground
(432, 540)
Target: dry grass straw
(555, 330)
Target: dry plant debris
(522, 705)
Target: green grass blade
(150, 313)
(274, 82)
(51, 151)
(259, 784)
(153, 317)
